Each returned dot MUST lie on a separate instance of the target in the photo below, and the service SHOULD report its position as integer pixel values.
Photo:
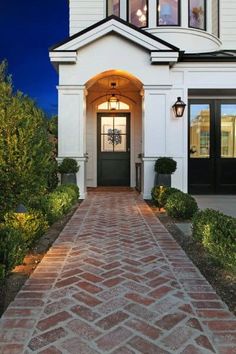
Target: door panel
(113, 149)
(212, 146)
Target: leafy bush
(57, 203)
(217, 233)
(12, 249)
(25, 149)
(165, 165)
(31, 225)
(160, 195)
(181, 205)
(68, 165)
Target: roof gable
(160, 51)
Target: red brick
(30, 295)
(191, 349)
(52, 321)
(204, 296)
(111, 265)
(220, 314)
(131, 262)
(18, 323)
(83, 330)
(113, 338)
(11, 348)
(112, 320)
(222, 326)
(227, 350)
(208, 304)
(123, 350)
(66, 282)
(91, 288)
(51, 350)
(170, 320)
(157, 281)
(204, 342)
(93, 261)
(47, 338)
(143, 346)
(91, 277)
(15, 312)
(112, 273)
(139, 299)
(113, 281)
(160, 292)
(87, 299)
(148, 259)
(144, 328)
(85, 312)
(71, 272)
(177, 338)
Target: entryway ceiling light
(112, 98)
(179, 108)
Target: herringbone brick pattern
(116, 282)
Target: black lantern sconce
(179, 108)
(113, 101)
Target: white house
(121, 71)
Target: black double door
(113, 149)
(212, 146)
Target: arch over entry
(114, 137)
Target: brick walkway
(116, 282)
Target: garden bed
(21, 273)
(222, 280)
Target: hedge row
(20, 231)
(178, 205)
(217, 234)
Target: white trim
(112, 26)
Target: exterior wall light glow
(179, 108)
(112, 98)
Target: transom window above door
(105, 106)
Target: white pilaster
(71, 129)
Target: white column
(155, 115)
(72, 129)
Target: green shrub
(12, 249)
(217, 233)
(165, 165)
(31, 225)
(181, 206)
(59, 202)
(68, 165)
(160, 194)
(26, 151)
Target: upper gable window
(113, 7)
(168, 12)
(197, 14)
(138, 12)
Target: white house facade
(120, 72)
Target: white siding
(84, 13)
(228, 23)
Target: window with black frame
(197, 14)
(168, 12)
(138, 12)
(113, 7)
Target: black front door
(212, 146)
(113, 149)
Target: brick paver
(115, 281)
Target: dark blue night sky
(27, 29)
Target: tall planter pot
(68, 178)
(162, 179)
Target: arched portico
(112, 162)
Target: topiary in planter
(160, 195)
(164, 167)
(181, 206)
(217, 233)
(68, 169)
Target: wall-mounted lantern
(179, 108)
